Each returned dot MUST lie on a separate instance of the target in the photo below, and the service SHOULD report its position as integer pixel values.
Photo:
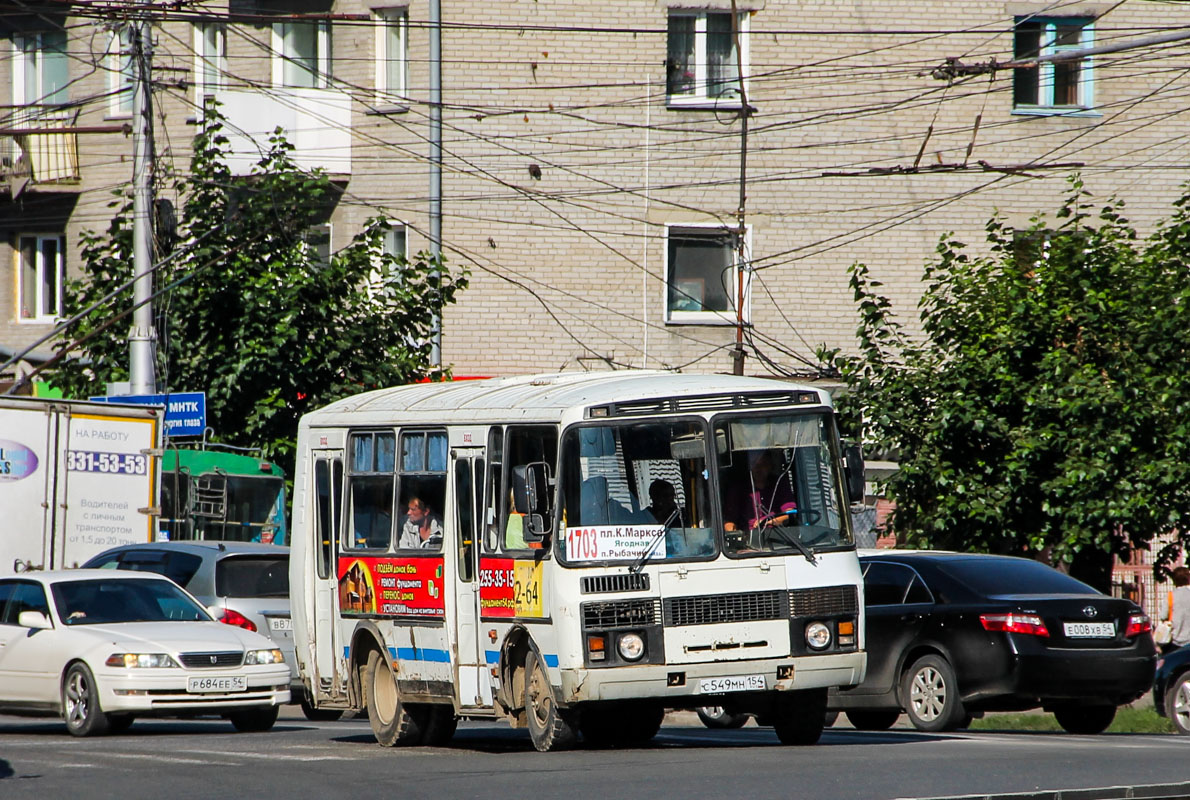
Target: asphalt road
(205, 759)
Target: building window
(1052, 86)
(120, 73)
(391, 62)
(317, 241)
(701, 65)
(701, 278)
(210, 60)
(40, 69)
(39, 270)
(395, 243)
(301, 55)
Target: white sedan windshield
(99, 601)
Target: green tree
(248, 312)
(1044, 410)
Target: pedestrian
(1179, 610)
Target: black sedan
(1171, 688)
(950, 635)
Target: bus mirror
(853, 461)
(530, 497)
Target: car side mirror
(34, 619)
(853, 465)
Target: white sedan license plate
(1089, 630)
(731, 683)
(217, 683)
(280, 624)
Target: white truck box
(75, 479)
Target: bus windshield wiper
(794, 541)
(639, 564)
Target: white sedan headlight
(140, 660)
(264, 657)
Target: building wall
(563, 163)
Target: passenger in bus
(762, 497)
(422, 529)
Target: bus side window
(371, 481)
(466, 519)
(422, 479)
(491, 510)
(526, 445)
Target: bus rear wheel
(393, 722)
(621, 724)
(550, 727)
(799, 719)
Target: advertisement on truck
(75, 479)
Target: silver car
(243, 583)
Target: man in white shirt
(422, 530)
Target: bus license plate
(1089, 630)
(226, 683)
(280, 624)
(732, 683)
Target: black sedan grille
(741, 607)
(823, 601)
(211, 660)
(613, 614)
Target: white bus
(576, 553)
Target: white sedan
(100, 648)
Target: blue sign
(185, 412)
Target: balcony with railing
(317, 122)
(39, 146)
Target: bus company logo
(16, 461)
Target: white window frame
(37, 317)
(386, 20)
(205, 59)
(701, 61)
(1045, 71)
(323, 56)
(728, 317)
(20, 64)
(120, 71)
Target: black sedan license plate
(1089, 630)
(217, 683)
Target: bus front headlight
(818, 636)
(631, 646)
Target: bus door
(329, 664)
(467, 476)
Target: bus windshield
(628, 490)
(778, 485)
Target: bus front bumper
(683, 685)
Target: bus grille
(624, 582)
(621, 613)
(209, 660)
(743, 607)
(822, 601)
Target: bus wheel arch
(364, 639)
(514, 652)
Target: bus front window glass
(634, 489)
(370, 491)
(780, 490)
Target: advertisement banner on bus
(391, 587)
(510, 588)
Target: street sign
(185, 412)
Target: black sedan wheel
(873, 720)
(1085, 719)
(931, 695)
(719, 718)
(1177, 704)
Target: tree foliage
(247, 311)
(1045, 409)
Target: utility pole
(738, 354)
(436, 162)
(142, 340)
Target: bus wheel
(440, 726)
(620, 725)
(550, 727)
(393, 723)
(800, 719)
